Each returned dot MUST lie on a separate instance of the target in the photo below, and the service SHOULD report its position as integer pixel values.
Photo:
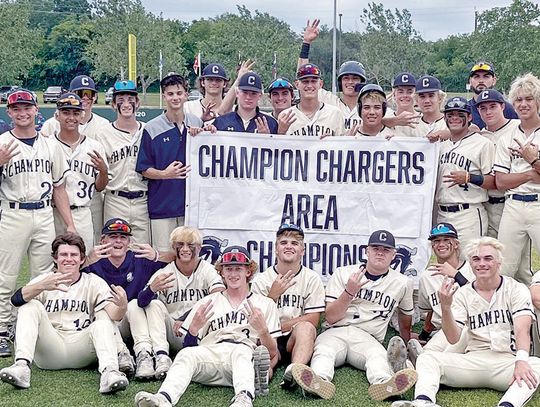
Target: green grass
(80, 388)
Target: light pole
(339, 44)
(334, 50)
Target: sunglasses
(308, 70)
(442, 230)
(289, 226)
(234, 257)
(482, 66)
(119, 227)
(20, 96)
(459, 104)
(85, 92)
(69, 101)
(280, 83)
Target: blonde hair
(291, 233)
(186, 234)
(474, 246)
(373, 96)
(528, 85)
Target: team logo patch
(211, 248)
(129, 277)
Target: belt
(30, 205)
(525, 198)
(130, 194)
(454, 208)
(496, 199)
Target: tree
(448, 59)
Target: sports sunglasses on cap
(234, 257)
(20, 96)
(280, 83)
(71, 101)
(456, 104)
(482, 66)
(308, 70)
(289, 226)
(119, 227)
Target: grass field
(80, 388)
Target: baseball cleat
(112, 381)
(126, 363)
(18, 374)
(397, 354)
(261, 364)
(163, 364)
(398, 384)
(308, 380)
(288, 382)
(414, 348)
(145, 366)
(5, 348)
(241, 400)
(414, 403)
(145, 399)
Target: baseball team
(98, 208)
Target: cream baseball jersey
(30, 175)
(328, 121)
(385, 132)
(374, 304)
(350, 115)
(186, 291)
(490, 323)
(506, 162)
(305, 296)
(122, 149)
(473, 153)
(80, 180)
(75, 309)
(422, 129)
(90, 129)
(230, 324)
(428, 292)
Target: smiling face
(23, 115)
(247, 99)
(290, 248)
(308, 87)
(457, 121)
(404, 96)
(68, 259)
(120, 244)
(444, 248)
(213, 86)
(491, 113)
(235, 276)
(281, 99)
(69, 119)
(126, 104)
(186, 252)
(88, 98)
(485, 262)
(526, 106)
(428, 102)
(372, 110)
(348, 84)
(174, 97)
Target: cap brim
(69, 108)
(308, 76)
(281, 231)
(114, 232)
(251, 89)
(427, 90)
(22, 102)
(382, 245)
(431, 237)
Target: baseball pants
(476, 369)
(222, 364)
(160, 327)
(161, 232)
(470, 223)
(134, 325)
(134, 211)
(22, 232)
(82, 218)
(36, 339)
(520, 221)
(349, 344)
(439, 343)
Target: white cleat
(18, 374)
(112, 381)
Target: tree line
(48, 42)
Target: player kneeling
(227, 326)
(55, 327)
(498, 312)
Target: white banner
(242, 187)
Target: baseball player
(128, 265)
(360, 300)
(371, 109)
(299, 294)
(517, 170)
(482, 77)
(403, 97)
(446, 248)
(227, 326)
(312, 117)
(281, 93)
(85, 158)
(168, 298)
(465, 162)
(65, 320)
(247, 117)
(127, 191)
(497, 312)
(32, 176)
(429, 97)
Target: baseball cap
(280, 83)
(214, 71)
(116, 226)
(125, 87)
(251, 81)
(21, 96)
(427, 83)
(457, 103)
(482, 66)
(81, 82)
(489, 95)
(235, 255)
(443, 229)
(284, 227)
(404, 79)
(69, 101)
(308, 71)
(382, 238)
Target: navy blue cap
(427, 83)
(489, 95)
(214, 71)
(382, 238)
(404, 79)
(251, 81)
(82, 82)
(443, 229)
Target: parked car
(52, 93)
(194, 95)
(5, 91)
(109, 95)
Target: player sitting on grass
(65, 320)
(227, 326)
(299, 295)
(360, 299)
(498, 312)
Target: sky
(433, 19)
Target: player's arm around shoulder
(47, 282)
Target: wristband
(157, 256)
(190, 340)
(304, 51)
(534, 161)
(522, 355)
(476, 179)
(424, 335)
(352, 296)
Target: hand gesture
(443, 269)
(255, 318)
(281, 284)
(100, 251)
(456, 178)
(176, 170)
(262, 125)
(119, 297)
(524, 373)
(7, 152)
(176, 328)
(408, 119)
(245, 67)
(98, 162)
(285, 120)
(203, 314)
(143, 251)
(210, 127)
(446, 292)
(312, 31)
(162, 282)
(208, 112)
(527, 151)
(55, 281)
(354, 130)
(356, 281)
(441, 135)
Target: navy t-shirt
(233, 122)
